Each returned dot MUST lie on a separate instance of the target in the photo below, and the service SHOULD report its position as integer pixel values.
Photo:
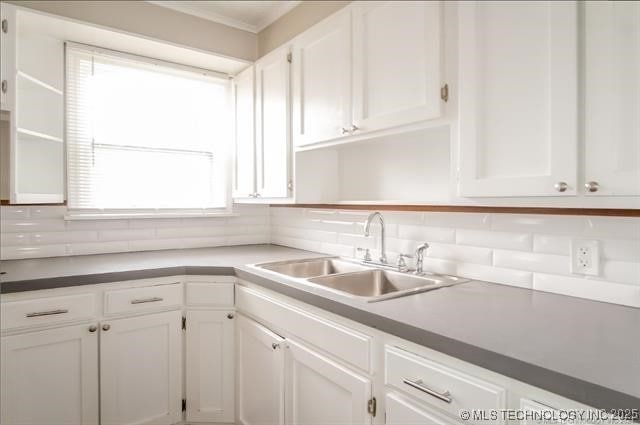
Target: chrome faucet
(420, 257)
(367, 225)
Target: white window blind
(144, 135)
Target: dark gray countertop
(584, 350)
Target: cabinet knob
(106, 327)
(561, 186)
(4, 86)
(93, 328)
(275, 345)
(592, 186)
(230, 316)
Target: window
(144, 135)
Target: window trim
(142, 213)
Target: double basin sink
(357, 280)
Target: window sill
(146, 214)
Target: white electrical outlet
(585, 257)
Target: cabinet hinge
(289, 57)
(444, 92)
(184, 322)
(184, 404)
(371, 406)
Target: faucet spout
(367, 233)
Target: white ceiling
(250, 16)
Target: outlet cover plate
(585, 257)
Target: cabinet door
(396, 63)
(400, 411)
(518, 97)
(322, 81)
(273, 121)
(612, 97)
(141, 370)
(260, 374)
(8, 56)
(244, 179)
(50, 377)
(210, 366)
(320, 391)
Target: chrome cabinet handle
(4, 86)
(106, 327)
(47, 313)
(561, 186)
(147, 300)
(275, 345)
(592, 186)
(353, 128)
(5, 26)
(417, 384)
(93, 328)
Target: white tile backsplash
(33, 232)
(527, 251)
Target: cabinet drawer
(143, 299)
(47, 311)
(210, 294)
(438, 385)
(347, 344)
(401, 411)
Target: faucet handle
(401, 263)
(367, 253)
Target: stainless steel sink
(356, 280)
(313, 267)
(378, 285)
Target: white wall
(529, 251)
(41, 231)
(296, 21)
(150, 20)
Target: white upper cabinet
(32, 90)
(50, 377)
(8, 52)
(371, 66)
(612, 98)
(396, 63)
(518, 98)
(322, 81)
(273, 132)
(244, 177)
(141, 370)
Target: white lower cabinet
(141, 370)
(261, 381)
(50, 377)
(321, 391)
(400, 411)
(210, 377)
(274, 372)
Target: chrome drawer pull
(417, 384)
(47, 313)
(147, 300)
